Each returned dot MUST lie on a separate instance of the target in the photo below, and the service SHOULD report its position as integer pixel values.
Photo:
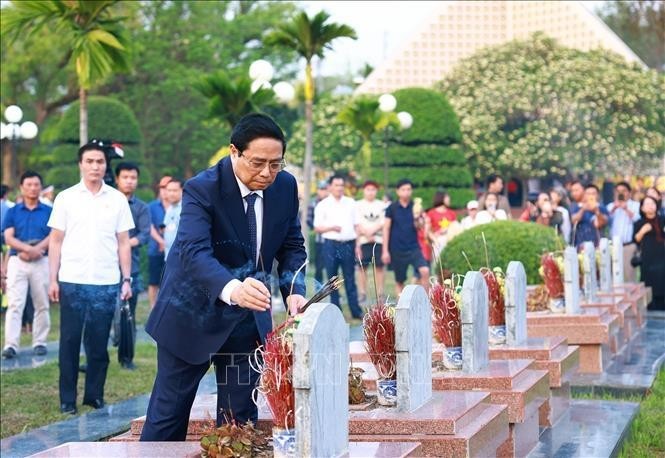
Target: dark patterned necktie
(251, 223)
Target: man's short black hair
(178, 180)
(92, 145)
(4, 189)
(30, 174)
(336, 177)
(625, 184)
(127, 166)
(574, 182)
(592, 186)
(253, 126)
(404, 181)
(491, 179)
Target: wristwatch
(127, 280)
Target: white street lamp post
(14, 132)
(387, 104)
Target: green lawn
(29, 398)
(647, 435)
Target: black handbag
(636, 260)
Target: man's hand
(252, 295)
(161, 246)
(54, 291)
(336, 228)
(125, 291)
(385, 257)
(295, 301)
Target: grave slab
(193, 450)
(588, 429)
(593, 330)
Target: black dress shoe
(83, 368)
(95, 403)
(40, 350)
(68, 408)
(130, 366)
(8, 353)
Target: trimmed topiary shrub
(506, 241)
(428, 153)
(108, 119)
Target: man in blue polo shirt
(156, 245)
(27, 233)
(400, 238)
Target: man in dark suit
(213, 305)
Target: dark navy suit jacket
(212, 248)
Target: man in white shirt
(89, 256)
(624, 211)
(370, 215)
(334, 219)
(172, 216)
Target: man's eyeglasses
(258, 165)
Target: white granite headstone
(571, 280)
(590, 274)
(605, 265)
(617, 261)
(475, 316)
(320, 381)
(413, 345)
(515, 298)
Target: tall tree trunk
(8, 177)
(307, 167)
(83, 117)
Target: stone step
(193, 450)
(464, 430)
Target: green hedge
(434, 120)
(443, 176)
(108, 119)
(506, 241)
(417, 155)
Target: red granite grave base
(593, 330)
(552, 410)
(511, 383)
(522, 439)
(193, 450)
(456, 424)
(621, 309)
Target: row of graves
(462, 371)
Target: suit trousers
(20, 276)
(177, 382)
(90, 307)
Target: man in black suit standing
(214, 307)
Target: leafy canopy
(531, 108)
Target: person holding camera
(624, 212)
(589, 217)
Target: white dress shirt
(225, 295)
(91, 222)
(621, 225)
(333, 212)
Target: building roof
(457, 29)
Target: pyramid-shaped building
(456, 29)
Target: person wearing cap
(472, 211)
(156, 245)
(370, 216)
(90, 260)
(319, 261)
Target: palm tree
(96, 39)
(309, 37)
(231, 99)
(363, 115)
